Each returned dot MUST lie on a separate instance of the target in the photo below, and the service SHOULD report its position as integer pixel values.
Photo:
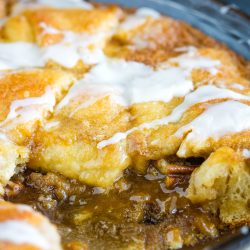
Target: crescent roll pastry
(106, 118)
(23, 228)
(148, 37)
(11, 155)
(225, 178)
(95, 109)
(58, 37)
(27, 99)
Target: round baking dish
(220, 22)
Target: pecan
(177, 169)
(13, 189)
(176, 180)
(167, 167)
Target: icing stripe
(246, 153)
(202, 94)
(132, 82)
(19, 55)
(138, 18)
(27, 109)
(216, 121)
(20, 232)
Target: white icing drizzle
(2, 21)
(202, 94)
(86, 47)
(19, 55)
(246, 153)
(104, 79)
(218, 120)
(74, 47)
(237, 86)
(92, 94)
(27, 109)
(192, 60)
(132, 82)
(22, 207)
(144, 11)
(60, 4)
(3, 137)
(139, 18)
(20, 232)
(50, 125)
(185, 49)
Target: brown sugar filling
(138, 212)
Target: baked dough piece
(27, 99)
(68, 38)
(148, 37)
(92, 111)
(115, 117)
(23, 228)
(193, 135)
(11, 155)
(152, 134)
(89, 21)
(225, 179)
(67, 143)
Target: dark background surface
(244, 5)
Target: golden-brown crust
(27, 25)
(7, 246)
(11, 155)
(156, 40)
(24, 216)
(102, 119)
(10, 211)
(223, 177)
(26, 84)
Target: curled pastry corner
(11, 155)
(225, 179)
(23, 228)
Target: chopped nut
(174, 239)
(176, 166)
(75, 245)
(176, 169)
(13, 189)
(176, 180)
(81, 216)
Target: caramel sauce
(138, 212)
